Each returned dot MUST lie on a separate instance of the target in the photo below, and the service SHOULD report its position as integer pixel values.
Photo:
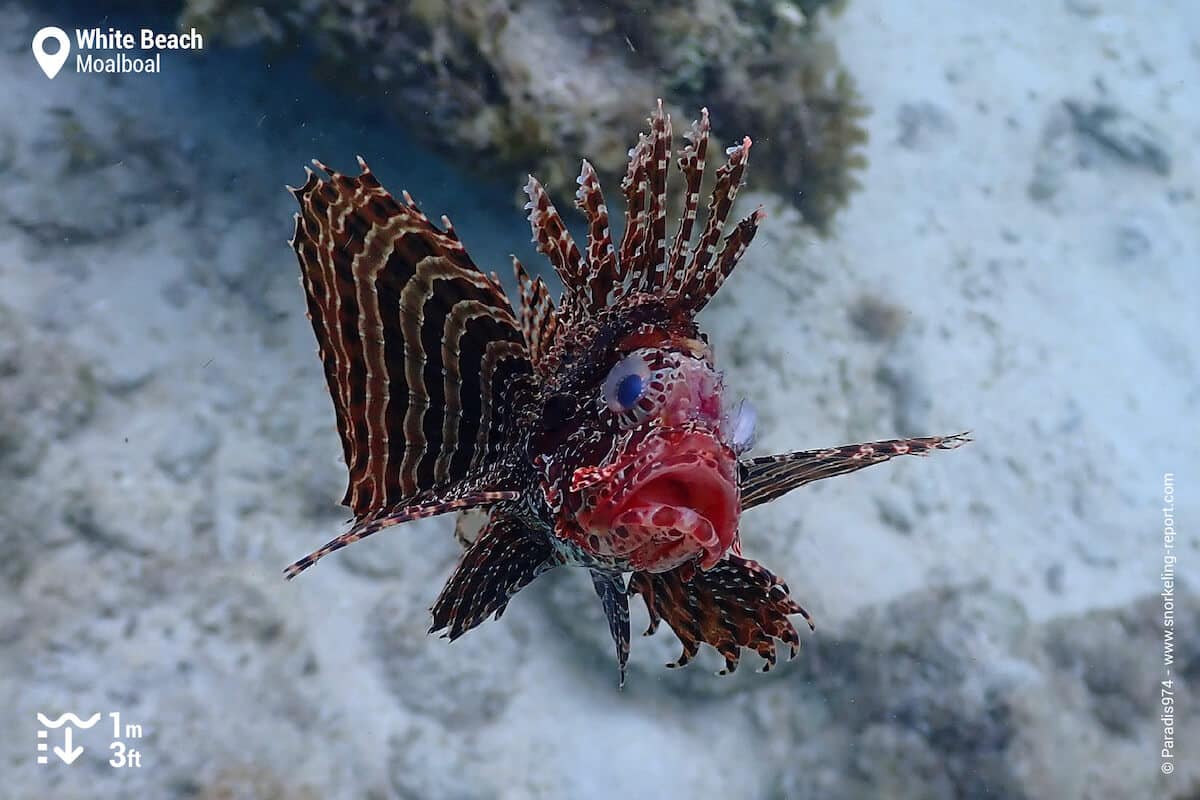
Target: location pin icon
(51, 63)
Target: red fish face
(668, 492)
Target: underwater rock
(1106, 654)
(877, 319)
(122, 376)
(911, 702)
(923, 126)
(951, 694)
(47, 394)
(1120, 135)
(1079, 137)
(530, 87)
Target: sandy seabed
(1022, 261)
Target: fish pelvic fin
(505, 558)
(736, 604)
(610, 587)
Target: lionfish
(595, 431)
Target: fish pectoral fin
(504, 559)
(422, 351)
(614, 596)
(418, 510)
(767, 478)
(738, 603)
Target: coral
(531, 86)
(952, 693)
(764, 69)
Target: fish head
(649, 478)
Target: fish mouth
(673, 500)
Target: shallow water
(989, 620)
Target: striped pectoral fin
(417, 343)
(615, 599)
(365, 527)
(504, 559)
(736, 604)
(766, 478)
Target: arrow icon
(68, 753)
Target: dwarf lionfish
(594, 431)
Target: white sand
(1061, 331)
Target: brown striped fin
(708, 282)
(655, 246)
(631, 260)
(691, 165)
(766, 478)
(642, 262)
(736, 604)
(729, 178)
(602, 273)
(419, 346)
(554, 241)
(366, 527)
(505, 558)
(539, 320)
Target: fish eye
(625, 384)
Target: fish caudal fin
(766, 478)
(422, 352)
(615, 598)
(505, 558)
(738, 603)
